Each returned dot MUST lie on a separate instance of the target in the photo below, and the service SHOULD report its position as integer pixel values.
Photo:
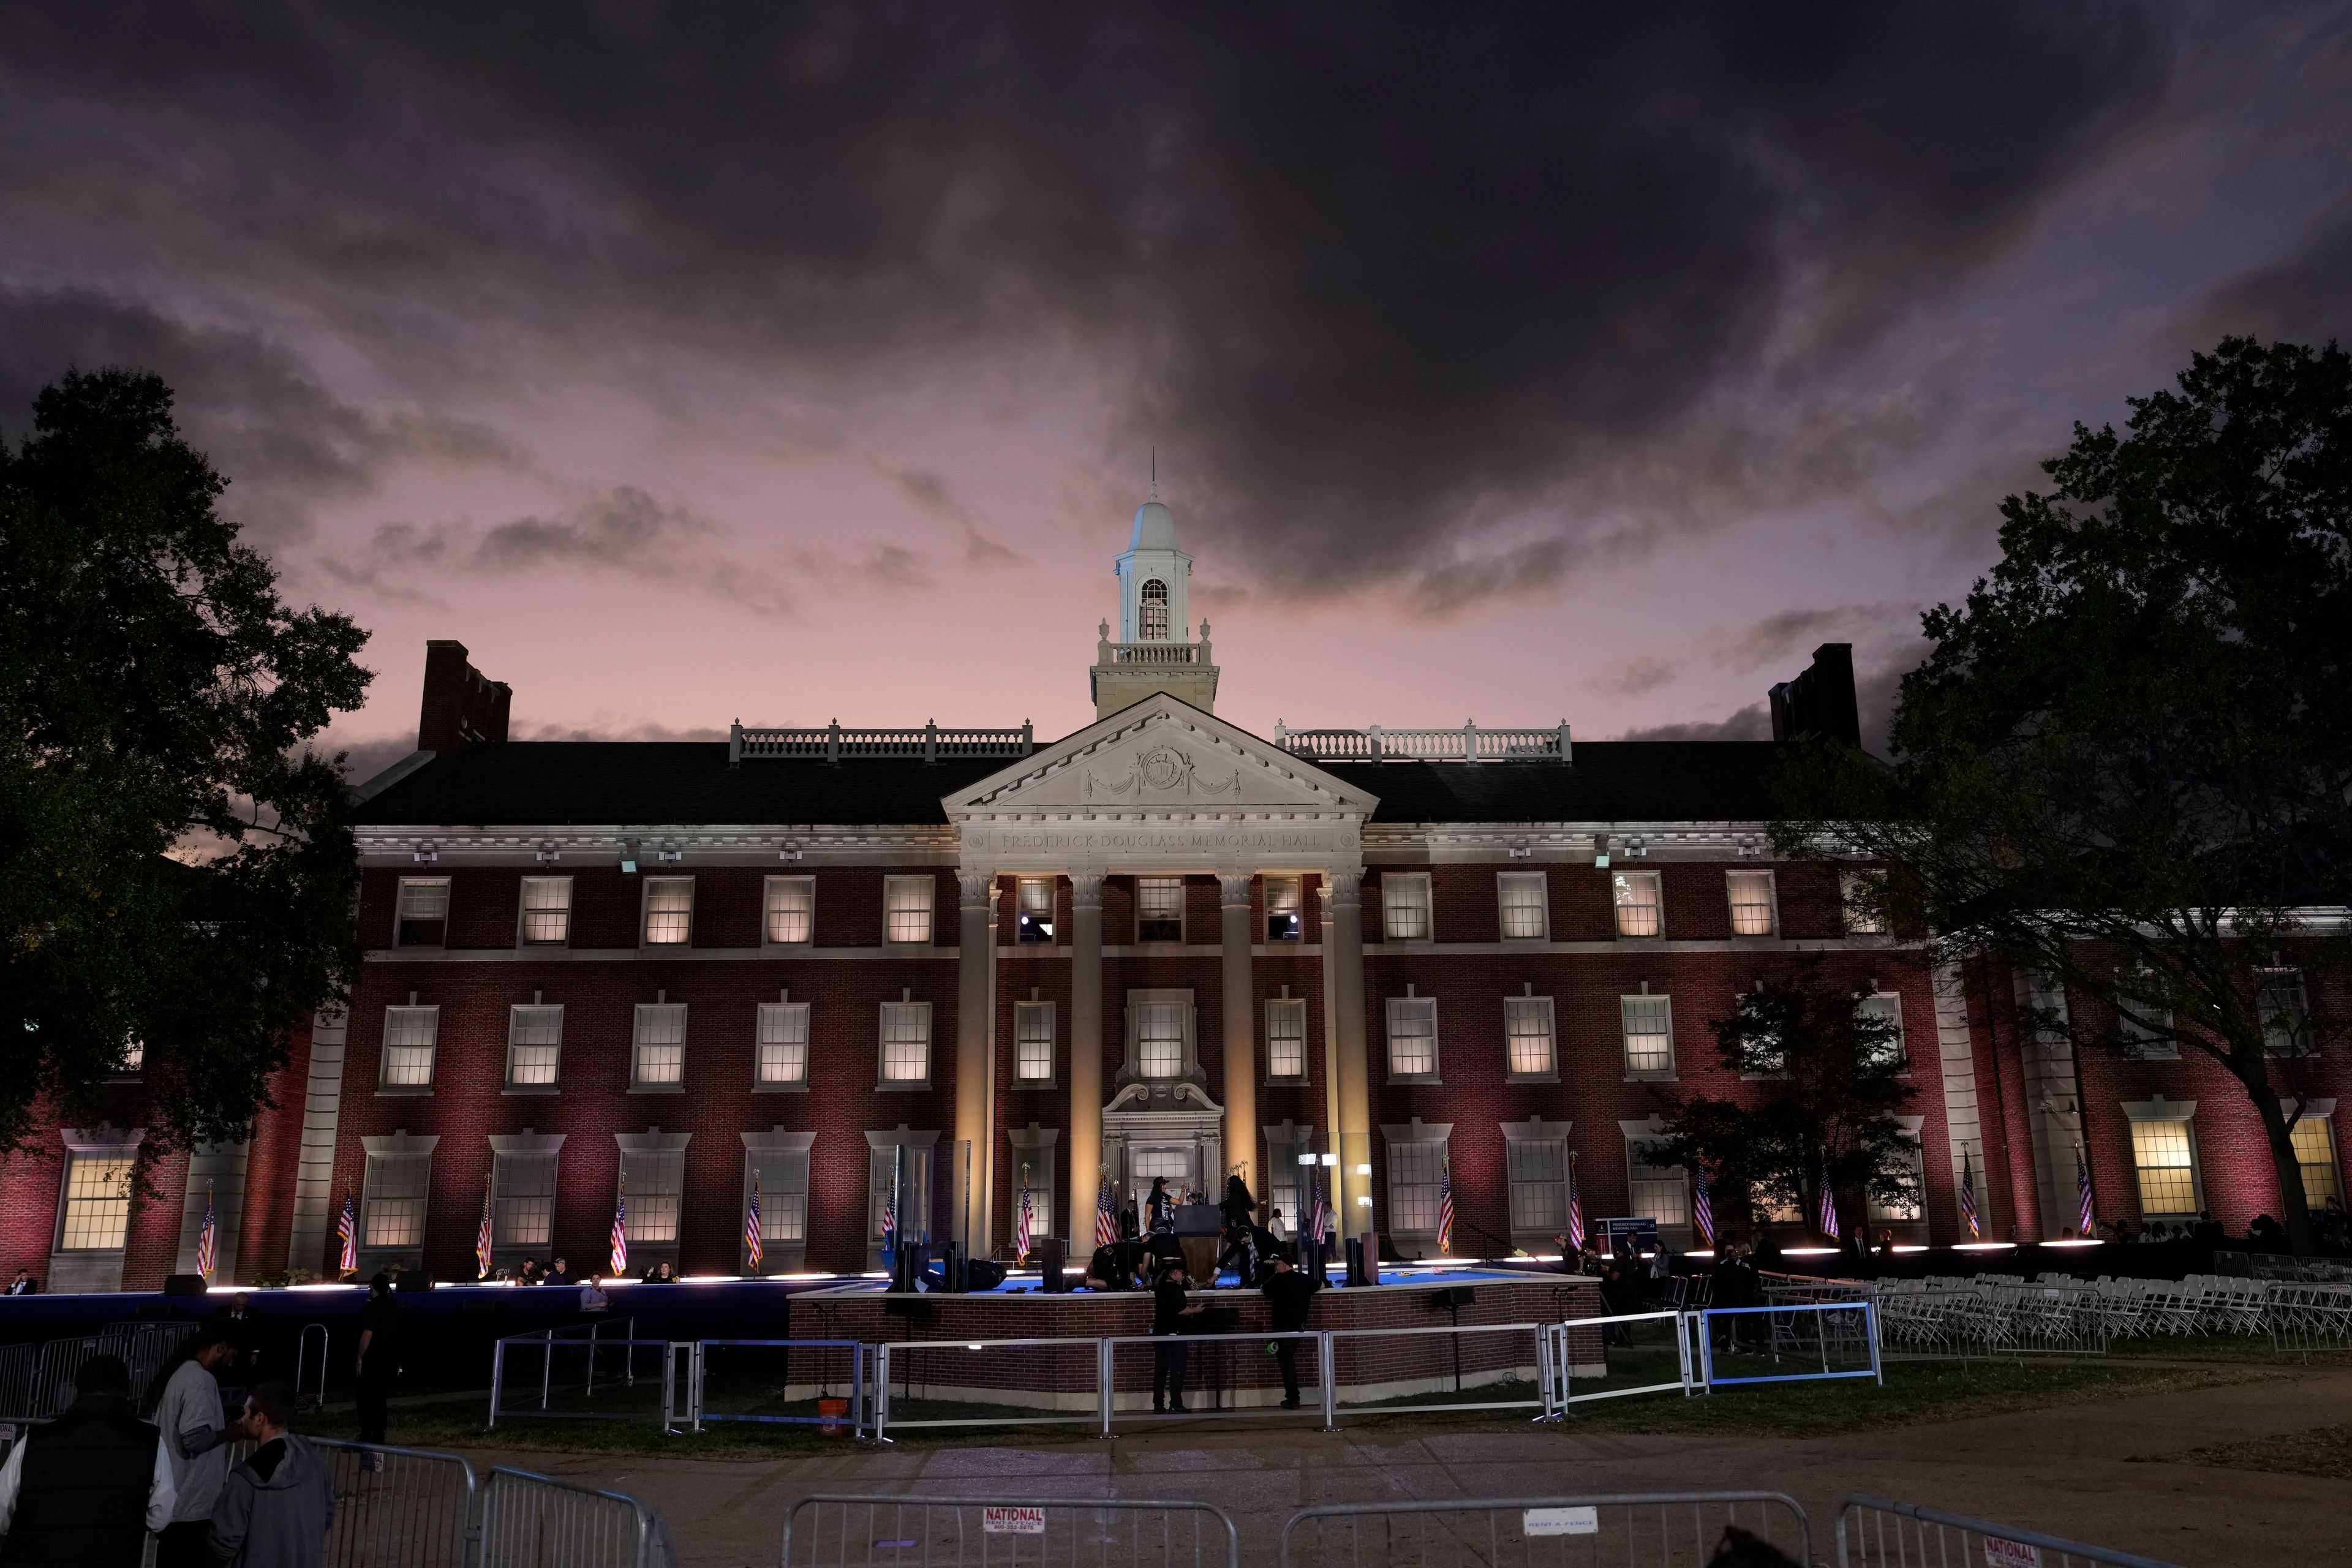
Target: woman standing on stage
(1159, 1208)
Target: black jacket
(1290, 1295)
(84, 1495)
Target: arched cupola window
(1151, 622)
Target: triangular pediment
(1161, 756)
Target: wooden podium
(1199, 1228)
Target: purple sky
(688, 365)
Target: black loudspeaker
(183, 1284)
(983, 1274)
(1051, 1255)
(1453, 1296)
(914, 1259)
(407, 1279)
(1356, 1276)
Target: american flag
(1829, 1204)
(755, 1243)
(1446, 1205)
(1106, 1215)
(621, 1230)
(2083, 1193)
(1969, 1196)
(484, 1237)
(1021, 1227)
(1702, 1205)
(890, 1222)
(1575, 1210)
(208, 1238)
(348, 1228)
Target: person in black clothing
(88, 1487)
(1168, 1311)
(1241, 1251)
(1105, 1271)
(1239, 1209)
(1159, 1208)
(24, 1284)
(379, 1358)
(1289, 1294)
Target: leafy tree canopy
(174, 876)
(2126, 764)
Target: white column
(1085, 1054)
(1241, 1036)
(1352, 1135)
(975, 997)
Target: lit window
(1159, 1039)
(1649, 1035)
(1039, 1159)
(1033, 1048)
(1751, 902)
(914, 1189)
(2166, 1155)
(546, 910)
(1863, 895)
(2286, 1014)
(669, 910)
(659, 1057)
(395, 1189)
(1159, 908)
(1405, 906)
(1282, 1168)
(1036, 919)
(1286, 1037)
(783, 1044)
(1151, 603)
(97, 1203)
(906, 1042)
(792, 910)
(1884, 1008)
(907, 909)
(2315, 1152)
(1525, 913)
(408, 1037)
(1283, 922)
(522, 1200)
(1416, 1171)
(1413, 1037)
(534, 1046)
(1527, 1027)
(783, 1194)
(1655, 1190)
(655, 1178)
(1636, 894)
(1538, 1169)
(423, 917)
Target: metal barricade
(1225, 1376)
(20, 1368)
(1660, 1530)
(765, 1381)
(987, 1383)
(556, 1375)
(1412, 1371)
(316, 1397)
(532, 1521)
(1872, 1532)
(398, 1506)
(1625, 1353)
(831, 1530)
(1841, 1336)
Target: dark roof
(530, 782)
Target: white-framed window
(1032, 1042)
(1525, 905)
(392, 1208)
(522, 1199)
(1413, 1037)
(1527, 1037)
(1039, 1158)
(1886, 1007)
(2314, 1138)
(1405, 906)
(784, 1046)
(1639, 909)
(422, 916)
(1159, 908)
(915, 1192)
(1416, 1170)
(1285, 1036)
(534, 1046)
(1159, 1039)
(1655, 1187)
(1649, 1025)
(1283, 1147)
(905, 1043)
(1035, 923)
(2285, 1013)
(1538, 1172)
(783, 1176)
(546, 911)
(658, 1058)
(792, 912)
(1151, 611)
(907, 909)
(1910, 1206)
(1753, 910)
(1283, 909)
(408, 1037)
(2164, 1156)
(1863, 895)
(2141, 1042)
(97, 1213)
(656, 1181)
(669, 911)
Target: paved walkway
(2070, 1471)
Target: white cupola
(1153, 577)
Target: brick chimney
(1820, 701)
(461, 705)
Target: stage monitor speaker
(183, 1284)
(1051, 1255)
(983, 1274)
(1453, 1296)
(407, 1279)
(953, 1271)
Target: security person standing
(90, 1486)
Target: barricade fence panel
(549, 1374)
(1788, 1343)
(986, 1382)
(834, 1530)
(820, 1382)
(1498, 1366)
(1872, 1532)
(397, 1507)
(1205, 1377)
(1679, 1530)
(532, 1521)
(1611, 1357)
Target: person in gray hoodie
(277, 1506)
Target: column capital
(1235, 890)
(977, 889)
(1085, 888)
(1344, 888)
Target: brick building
(979, 963)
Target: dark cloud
(1750, 723)
(2305, 296)
(1403, 295)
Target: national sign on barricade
(1872, 1532)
